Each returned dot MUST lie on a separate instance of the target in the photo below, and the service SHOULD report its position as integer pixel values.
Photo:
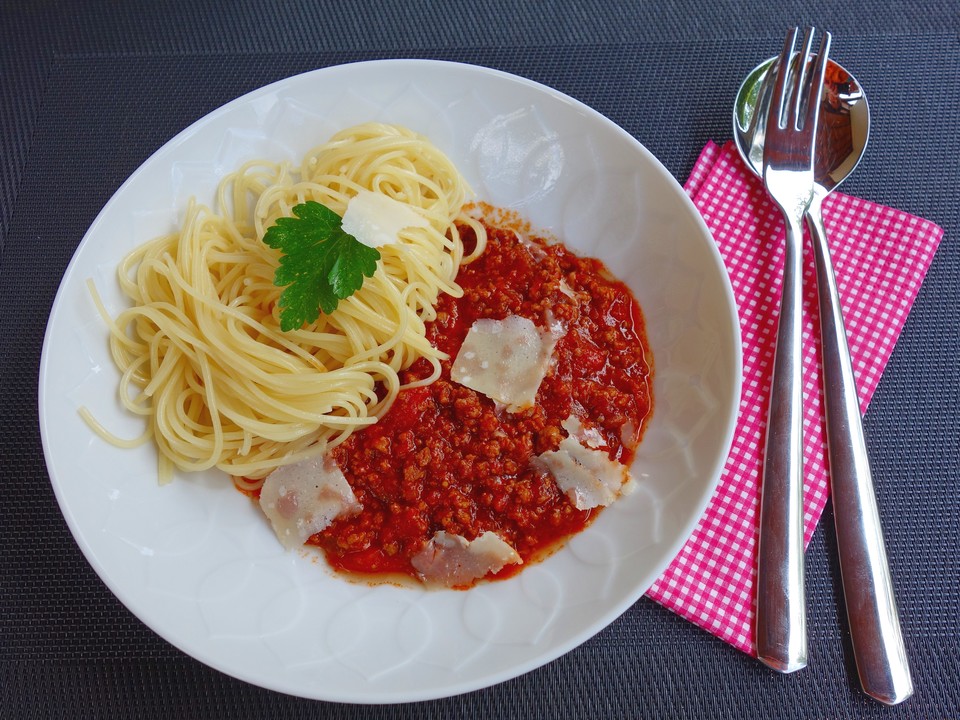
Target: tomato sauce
(445, 458)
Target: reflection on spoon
(867, 586)
(842, 134)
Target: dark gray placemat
(65, 641)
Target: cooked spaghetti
(200, 348)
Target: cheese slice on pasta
(451, 560)
(506, 360)
(376, 219)
(586, 474)
(304, 498)
(589, 436)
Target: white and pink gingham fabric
(880, 256)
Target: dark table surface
(89, 90)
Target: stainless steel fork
(788, 155)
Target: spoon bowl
(844, 123)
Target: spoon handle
(781, 635)
(867, 586)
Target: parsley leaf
(321, 264)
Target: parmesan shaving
(304, 498)
(376, 220)
(588, 476)
(451, 560)
(506, 360)
(588, 436)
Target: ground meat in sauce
(444, 457)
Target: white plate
(197, 562)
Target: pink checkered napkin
(880, 256)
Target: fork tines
(796, 105)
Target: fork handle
(867, 587)
(781, 636)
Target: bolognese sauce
(446, 458)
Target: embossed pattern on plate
(197, 562)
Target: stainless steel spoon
(867, 587)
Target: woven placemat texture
(79, 120)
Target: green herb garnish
(321, 264)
